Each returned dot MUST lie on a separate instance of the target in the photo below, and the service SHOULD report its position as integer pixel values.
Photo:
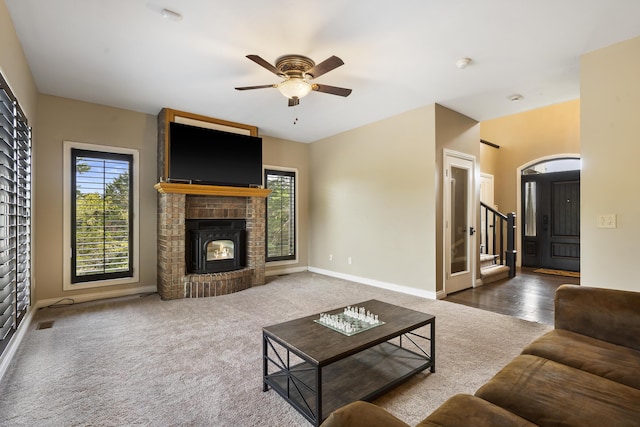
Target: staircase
(490, 270)
(497, 249)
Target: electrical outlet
(330, 257)
(349, 260)
(607, 221)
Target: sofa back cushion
(606, 314)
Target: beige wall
(610, 94)
(15, 68)
(290, 154)
(65, 119)
(372, 199)
(458, 133)
(523, 138)
(489, 159)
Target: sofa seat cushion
(464, 410)
(548, 393)
(611, 361)
(362, 414)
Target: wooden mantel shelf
(210, 190)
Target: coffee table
(318, 370)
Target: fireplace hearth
(215, 245)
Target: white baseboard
(93, 296)
(284, 270)
(376, 283)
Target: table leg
(265, 365)
(433, 345)
(318, 395)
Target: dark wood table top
(322, 345)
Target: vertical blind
(15, 214)
(281, 215)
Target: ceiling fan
(298, 73)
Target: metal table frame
(301, 384)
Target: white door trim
(473, 202)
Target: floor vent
(45, 325)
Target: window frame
(68, 219)
(103, 156)
(289, 259)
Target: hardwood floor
(527, 296)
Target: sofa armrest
(362, 414)
(606, 314)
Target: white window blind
(15, 214)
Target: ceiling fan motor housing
(295, 66)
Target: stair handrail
(507, 224)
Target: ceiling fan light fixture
(294, 88)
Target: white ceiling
(398, 54)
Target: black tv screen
(207, 156)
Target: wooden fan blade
(258, 60)
(333, 90)
(325, 66)
(255, 87)
(294, 101)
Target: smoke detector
(463, 62)
(171, 15)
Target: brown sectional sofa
(585, 372)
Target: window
(100, 215)
(281, 215)
(530, 213)
(15, 214)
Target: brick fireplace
(178, 202)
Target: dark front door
(551, 225)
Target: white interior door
(459, 221)
(486, 197)
(486, 190)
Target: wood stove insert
(215, 245)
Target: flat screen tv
(207, 156)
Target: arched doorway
(550, 213)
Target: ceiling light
(171, 15)
(294, 88)
(515, 97)
(463, 62)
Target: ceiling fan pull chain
(295, 115)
